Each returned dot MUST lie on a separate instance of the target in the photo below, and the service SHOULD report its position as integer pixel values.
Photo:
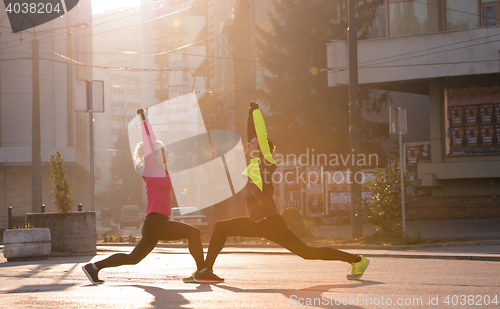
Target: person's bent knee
(221, 227)
(195, 233)
(133, 260)
(307, 254)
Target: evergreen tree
(126, 188)
(304, 111)
(62, 190)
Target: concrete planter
(23, 244)
(73, 233)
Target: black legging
(274, 229)
(157, 227)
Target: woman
(151, 160)
(264, 219)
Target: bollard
(42, 208)
(80, 207)
(10, 224)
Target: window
(461, 14)
(490, 13)
(407, 17)
(378, 28)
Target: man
(264, 219)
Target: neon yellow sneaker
(189, 279)
(358, 269)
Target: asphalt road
(253, 280)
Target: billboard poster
(496, 113)
(337, 186)
(496, 137)
(471, 113)
(487, 133)
(412, 157)
(456, 116)
(473, 116)
(315, 197)
(291, 187)
(486, 112)
(457, 135)
(471, 135)
(424, 154)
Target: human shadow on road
(43, 266)
(53, 260)
(164, 298)
(308, 293)
(328, 287)
(40, 288)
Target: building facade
(449, 51)
(61, 128)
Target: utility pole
(36, 161)
(354, 128)
(89, 98)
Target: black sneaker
(189, 279)
(206, 276)
(91, 273)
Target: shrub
(383, 209)
(131, 238)
(61, 193)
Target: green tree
(126, 188)
(383, 209)
(62, 199)
(303, 111)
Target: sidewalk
(465, 228)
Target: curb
(337, 246)
(246, 249)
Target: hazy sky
(99, 6)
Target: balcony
(418, 57)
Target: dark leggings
(274, 229)
(157, 227)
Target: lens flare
(314, 71)
(176, 23)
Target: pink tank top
(158, 192)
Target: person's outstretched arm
(256, 127)
(151, 169)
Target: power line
(210, 37)
(91, 25)
(141, 22)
